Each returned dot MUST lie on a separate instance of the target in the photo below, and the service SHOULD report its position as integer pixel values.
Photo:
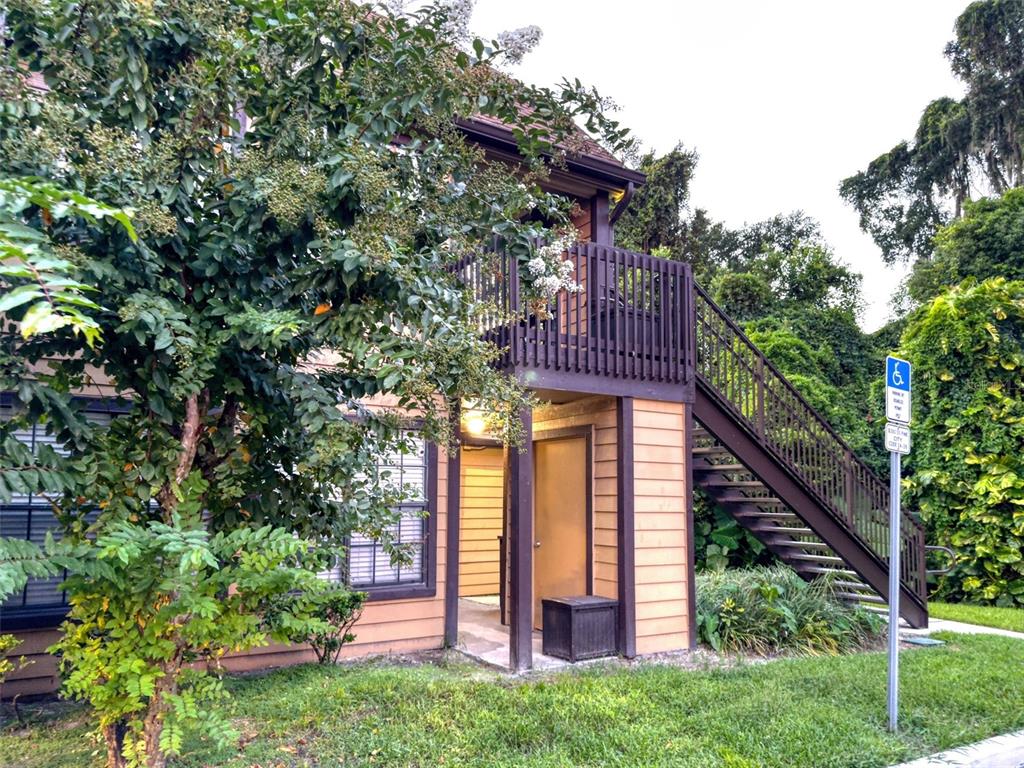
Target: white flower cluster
(517, 43)
(550, 273)
(456, 25)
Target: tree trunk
(113, 735)
(152, 730)
(153, 723)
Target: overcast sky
(781, 98)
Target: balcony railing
(629, 321)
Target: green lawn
(1003, 618)
(813, 712)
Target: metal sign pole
(897, 442)
(894, 588)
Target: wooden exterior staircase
(764, 455)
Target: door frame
(586, 431)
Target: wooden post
(451, 570)
(520, 473)
(691, 556)
(601, 231)
(626, 556)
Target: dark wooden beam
(626, 541)
(601, 231)
(520, 473)
(597, 384)
(451, 570)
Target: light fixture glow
(475, 424)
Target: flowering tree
(300, 194)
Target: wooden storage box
(577, 628)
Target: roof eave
(612, 175)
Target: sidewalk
(998, 752)
(945, 625)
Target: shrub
(770, 609)
(967, 479)
(334, 611)
(719, 542)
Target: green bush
(967, 466)
(770, 609)
(334, 610)
(719, 542)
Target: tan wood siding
(599, 412)
(581, 220)
(662, 604)
(482, 486)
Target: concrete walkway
(945, 625)
(999, 752)
(482, 636)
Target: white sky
(782, 99)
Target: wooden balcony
(627, 331)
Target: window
(28, 516)
(369, 567)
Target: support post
(451, 569)
(601, 231)
(691, 558)
(626, 540)
(520, 472)
(894, 589)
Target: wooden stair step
(756, 514)
(852, 585)
(726, 483)
(817, 558)
(710, 450)
(859, 597)
(783, 529)
(805, 544)
(769, 500)
(708, 467)
(819, 570)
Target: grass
(986, 616)
(825, 712)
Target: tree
(987, 242)
(905, 195)
(301, 198)
(967, 469)
(655, 218)
(987, 53)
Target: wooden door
(560, 520)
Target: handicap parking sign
(897, 390)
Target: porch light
(475, 423)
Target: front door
(560, 520)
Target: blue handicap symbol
(897, 373)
